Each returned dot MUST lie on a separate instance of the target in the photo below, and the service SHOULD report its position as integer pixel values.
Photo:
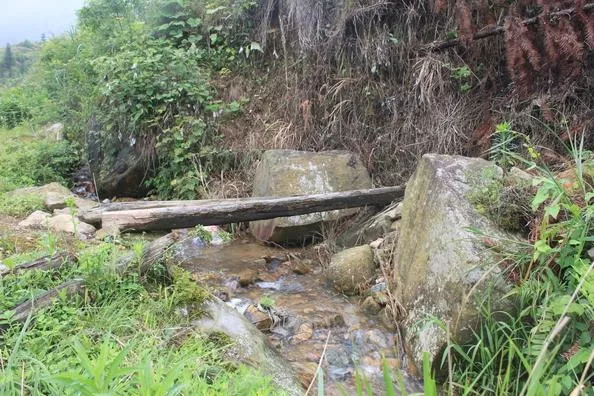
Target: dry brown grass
(351, 76)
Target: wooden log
(93, 216)
(151, 254)
(42, 264)
(71, 288)
(234, 211)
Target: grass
(28, 158)
(547, 346)
(121, 337)
(20, 206)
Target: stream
(285, 294)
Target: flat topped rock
(290, 172)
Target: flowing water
(287, 297)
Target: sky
(28, 19)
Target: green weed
(118, 338)
(21, 205)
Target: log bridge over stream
(168, 215)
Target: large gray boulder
(120, 167)
(441, 266)
(289, 172)
(250, 345)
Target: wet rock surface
(351, 270)
(298, 311)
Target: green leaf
(553, 210)
(388, 382)
(541, 196)
(193, 22)
(429, 384)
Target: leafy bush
(12, 113)
(143, 70)
(26, 163)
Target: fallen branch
(151, 254)
(249, 209)
(68, 289)
(440, 45)
(42, 264)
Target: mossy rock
(290, 172)
(440, 256)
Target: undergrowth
(546, 347)
(30, 159)
(120, 337)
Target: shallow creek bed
(287, 297)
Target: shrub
(12, 113)
(36, 162)
(20, 206)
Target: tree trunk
(249, 209)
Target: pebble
(260, 319)
(247, 277)
(302, 267)
(377, 243)
(304, 333)
(370, 306)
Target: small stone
(263, 276)
(370, 306)
(302, 267)
(377, 243)
(395, 213)
(107, 233)
(247, 277)
(305, 372)
(519, 177)
(395, 226)
(591, 253)
(36, 220)
(351, 270)
(260, 319)
(304, 333)
(55, 200)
